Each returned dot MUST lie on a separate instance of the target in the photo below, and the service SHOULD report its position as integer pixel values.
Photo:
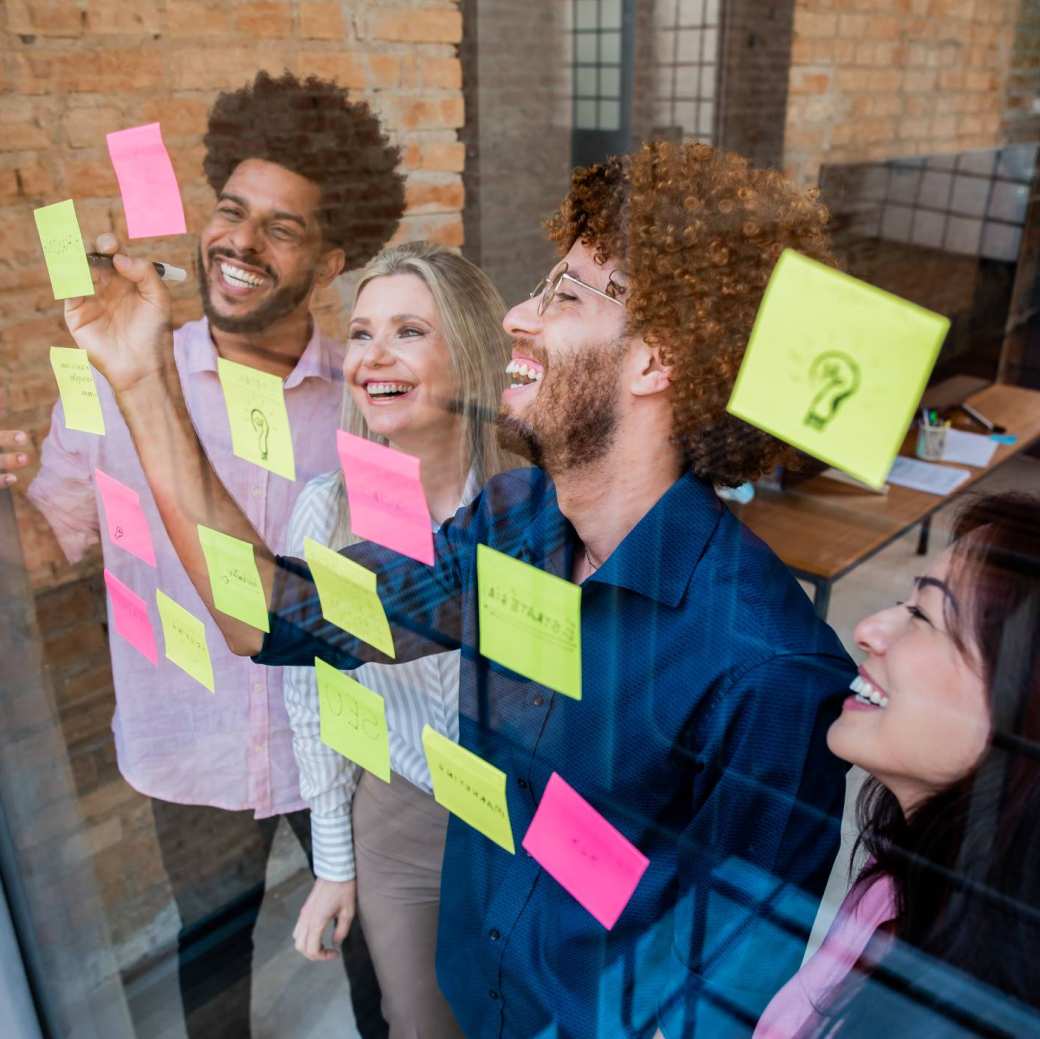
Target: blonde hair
(470, 309)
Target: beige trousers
(398, 845)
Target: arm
(327, 783)
(125, 330)
(755, 858)
(63, 490)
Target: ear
(330, 265)
(648, 373)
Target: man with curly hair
(708, 682)
(306, 187)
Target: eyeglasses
(548, 287)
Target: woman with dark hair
(940, 934)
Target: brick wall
(69, 72)
(873, 79)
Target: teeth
(522, 373)
(381, 389)
(241, 276)
(867, 693)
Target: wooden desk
(823, 529)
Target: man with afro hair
(708, 681)
(306, 187)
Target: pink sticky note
(151, 198)
(387, 504)
(131, 617)
(127, 526)
(590, 859)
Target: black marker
(166, 270)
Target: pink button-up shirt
(175, 740)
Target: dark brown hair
(965, 863)
(311, 128)
(698, 232)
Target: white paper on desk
(968, 448)
(926, 476)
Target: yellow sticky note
(353, 720)
(530, 621)
(233, 577)
(185, 638)
(470, 787)
(79, 395)
(259, 423)
(63, 250)
(348, 596)
(835, 366)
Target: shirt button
(258, 687)
(538, 699)
(256, 492)
(493, 993)
(522, 783)
(493, 934)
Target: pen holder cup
(931, 442)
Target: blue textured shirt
(708, 686)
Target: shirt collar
(321, 358)
(656, 558)
(659, 554)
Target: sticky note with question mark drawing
(260, 431)
(835, 366)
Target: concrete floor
(296, 999)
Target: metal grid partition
(686, 58)
(602, 34)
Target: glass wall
(181, 828)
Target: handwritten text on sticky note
(353, 720)
(530, 621)
(130, 617)
(835, 366)
(348, 596)
(124, 518)
(385, 494)
(63, 250)
(78, 391)
(259, 423)
(151, 198)
(470, 787)
(587, 856)
(185, 638)
(233, 577)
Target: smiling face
(398, 365)
(918, 718)
(262, 252)
(562, 408)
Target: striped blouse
(420, 692)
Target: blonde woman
(425, 360)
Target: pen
(167, 271)
(977, 416)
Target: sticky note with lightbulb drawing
(260, 431)
(836, 367)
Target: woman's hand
(14, 454)
(329, 900)
(125, 326)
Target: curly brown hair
(311, 127)
(698, 232)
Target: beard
(282, 302)
(573, 421)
